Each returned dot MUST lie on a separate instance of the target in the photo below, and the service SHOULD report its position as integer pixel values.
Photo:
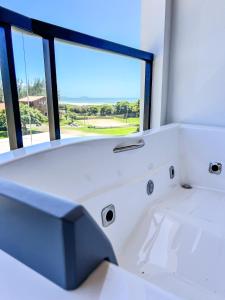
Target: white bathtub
(173, 239)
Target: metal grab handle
(122, 147)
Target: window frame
(49, 33)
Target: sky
(81, 71)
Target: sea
(93, 101)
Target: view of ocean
(93, 101)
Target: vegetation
(36, 88)
(125, 109)
(120, 118)
(110, 131)
(30, 116)
(3, 123)
(1, 92)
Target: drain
(186, 186)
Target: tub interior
(179, 244)
(173, 237)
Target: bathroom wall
(200, 146)
(188, 40)
(196, 81)
(155, 38)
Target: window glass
(99, 92)
(4, 140)
(30, 74)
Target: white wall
(200, 146)
(155, 38)
(197, 62)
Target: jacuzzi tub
(174, 237)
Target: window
(99, 92)
(99, 83)
(4, 140)
(31, 87)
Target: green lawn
(107, 131)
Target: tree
(1, 93)
(70, 108)
(122, 107)
(93, 110)
(21, 87)
(37, 88)
(134, 109)
(137, 108)
(83, 110)
(30, 115)
(3, 122)
(70, 116)
(106, 110)
(77, 109)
